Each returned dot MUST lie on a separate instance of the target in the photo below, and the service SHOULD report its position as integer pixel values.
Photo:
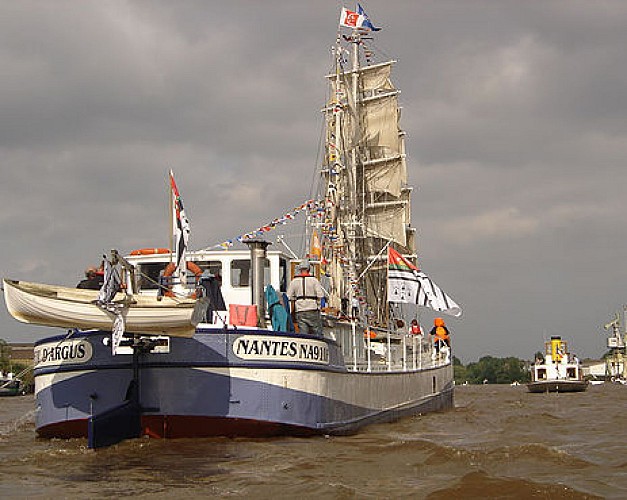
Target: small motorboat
(10, 385)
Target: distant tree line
(492, 370)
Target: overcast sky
(516, 121)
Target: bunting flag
(408, 284)
(314, 209)
(181, 231)
(366, 23)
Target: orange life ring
(191, 267)
(150, 251)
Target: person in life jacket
(440, 333)
(414, 329)
(305, 294)
(94, 278)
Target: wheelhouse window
(241, 272)
(213, 267)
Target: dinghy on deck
(58, 306)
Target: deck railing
(387, 351)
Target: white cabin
(231, 267)
(558, 364)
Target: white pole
(389, 351)
(368, 345)
(404, 352)
(354, 347)
(413, 350)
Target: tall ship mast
(364, 178)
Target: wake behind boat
(559, 371)
(246, 371)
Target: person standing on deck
(94, 278)
(305, 293)
(440, 333)
(415, 327)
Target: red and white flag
(351, 19)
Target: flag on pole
(315, 250)
(351, 19)
(181, 228)
(366, 23)
(408, 284)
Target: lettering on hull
(264, 348)
(71, 351)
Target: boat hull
(11, 391)
(558, 386)
(63, 307)
(229, 383)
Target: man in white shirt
(305, 293)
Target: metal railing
(387, 351)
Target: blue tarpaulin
(281, 319)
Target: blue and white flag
(366, 23)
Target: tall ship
(228, 361)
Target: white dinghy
(58, 306)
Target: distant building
(594, 369)
(21, 353)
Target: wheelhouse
(231, 268)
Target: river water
(498, 442)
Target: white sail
(364, 172)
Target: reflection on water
(499, 442)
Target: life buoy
(150, 251)
(191, 267)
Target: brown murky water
(499, 442)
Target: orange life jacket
(441, 334)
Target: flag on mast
(181, 231)
(366, 23)
(351, 19)
(408, 284)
